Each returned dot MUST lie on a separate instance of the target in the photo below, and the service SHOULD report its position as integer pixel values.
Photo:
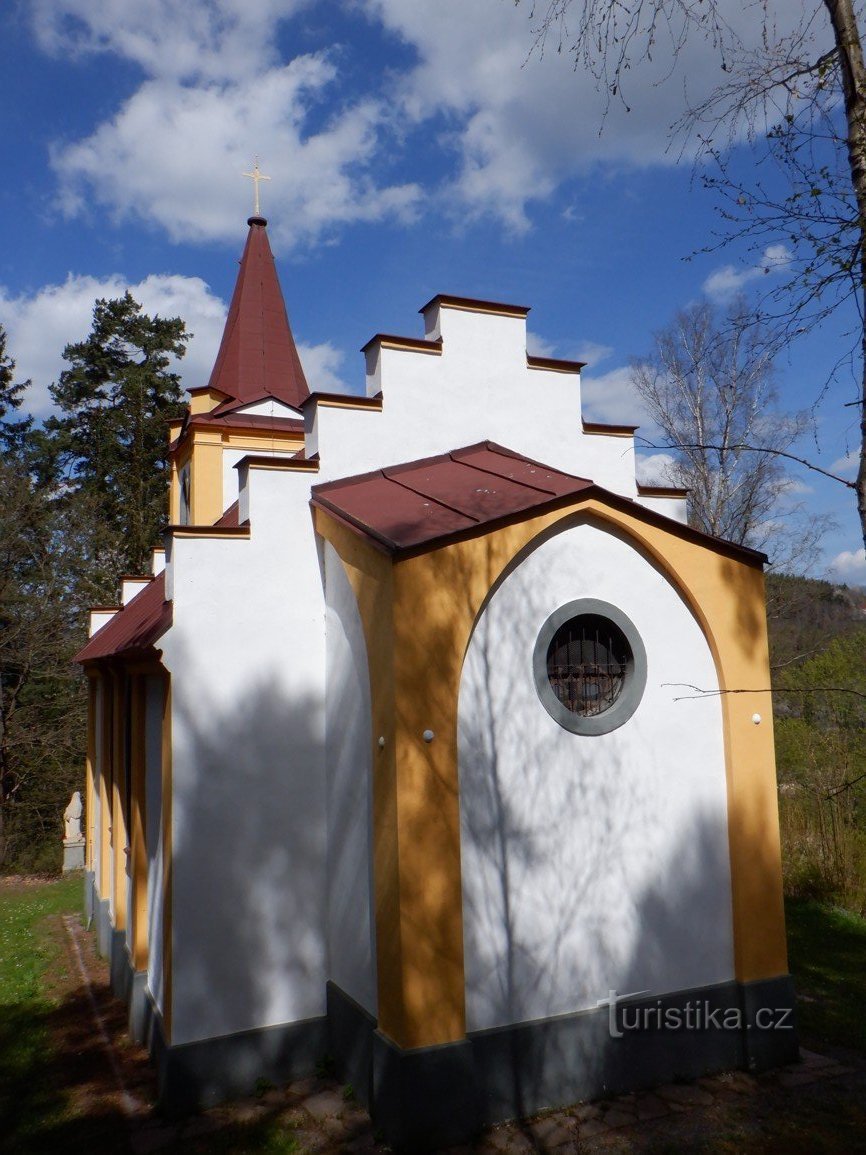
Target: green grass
(29, 958)
(827, 949)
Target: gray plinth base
(432, 1097)
(73, 855)
(104, 932)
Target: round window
(590, 667)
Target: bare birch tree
(793, 85)
(709, 385)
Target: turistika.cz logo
(624, 1016)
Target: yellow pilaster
(138, 819)
(106, 786)
(119, 827)
(206, 479)
(90, 778)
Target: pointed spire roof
(257, 356)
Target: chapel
(417, 749)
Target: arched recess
(418, 612)
(589, 862)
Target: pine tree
(107, 452)
(13, 434)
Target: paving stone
(361, 1143)
(617, 1118)
(325, 1104)
(813, 1059)
(153, 1139)
(305, 1087)
(651, 1107)
(310, 1141)
(273, 1098)
(553, 1131)
(685, 1094)
(332, 1127)
(740, 1082)
(584, 1111)
(593, 1127)
(249, 1112)
(202, 1125)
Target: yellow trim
(594, 429)
(554, 365)
(217, 532)
(119, 828)
(138, 823)
(470, 305)
(351, 402)
(418, 619)
(206, 478)
(205, 399)
(105, 787)
(90, 778)
(167, 853)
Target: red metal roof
(231, 517)
(257, 355)
(418, 503)
(231, 420)
(134, 629)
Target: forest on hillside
(818, 662)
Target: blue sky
(413, 148)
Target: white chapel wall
(247, 658)
(479, 388)
(347, 750)
(589, 863)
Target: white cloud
(611, 398)
(321, 367)
(521, 121)
(174, 151)
(590, 352)
(848, 465)
(654, 469)
(538, 346)
(729, 280)
(40, 324)
(221, 78)
(216, 39)
(849, 566)
(187, 178)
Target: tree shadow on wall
(247, 889)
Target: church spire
(257, 356)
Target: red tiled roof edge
(134, 629)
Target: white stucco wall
(479, 388)
(589, 863)
(230, 474)
(247, 657)
(349, 781)
(153, 836)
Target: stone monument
(73, 842)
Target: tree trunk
(853, 71)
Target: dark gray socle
(635, 682)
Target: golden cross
(256, 176)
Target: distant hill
(805, 615)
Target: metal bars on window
(587, 663)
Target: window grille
(588, 660)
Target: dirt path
(818, 1105)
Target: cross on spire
(256, 176)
